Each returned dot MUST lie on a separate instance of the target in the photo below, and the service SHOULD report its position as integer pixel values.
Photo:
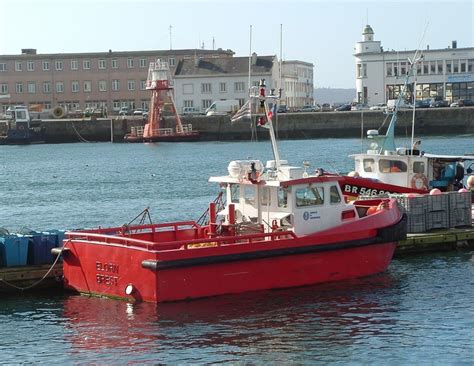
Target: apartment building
(85, 80)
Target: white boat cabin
(409, 168)
(283, 198)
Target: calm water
(419, 312)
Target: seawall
(442, 121)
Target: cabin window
(309, 196)
(419, 167)
(369, 165)
(249, 194)
(266, 197)
(392, 166)
(334, 194)
(282, 197)
(234, 193)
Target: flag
(244, 112)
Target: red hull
(169, 262)
(176, 137)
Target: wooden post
(112, 130)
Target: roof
(368, 30)
(227, 65)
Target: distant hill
(334, 95)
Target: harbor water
(418, 312)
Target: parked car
(124, 111)
(309, 108)
(466, 102)
(359, 107)
(138, 112)
(378, 107)
(344, 107)
(282, 108)
(326, 107)
(425, 103)
(439, 104)
(454, 104)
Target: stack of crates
(415, 208)
(438, 211)
(13, 250)
(460, 213)
(40, 245)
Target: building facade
(298, 83)
(85, 80)
(442, 73)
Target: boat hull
(213, 267)
(185, 137)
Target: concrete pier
(430, 121)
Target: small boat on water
(19, 129)
(161, 84)
(384, 168)
(276, 226)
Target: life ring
(419, 181)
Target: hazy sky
(320, 32)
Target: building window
(3, 88)
(3, 67)
(426, 68)
(241, 101)
(102, 63)
(86, 64)
(31, 87)
(188, 89)
(206, 88)
(19, 88)
(30, 66)
(18, 66)
(206, 103)
(172, 61)
(239, 86)
(142, 62)
(470, 65)
(130, 63)
(114, 63)
(433, 67)
(389, 69)
(455, 66)
(74, 65)
(188, 103)
(142, 84)
(131, 85)
(463, 66)
(59, 87)
(102, 85)
(75, 86)
(58, 65)
(449, 69)
(222, 87)
(115, 85)
(364, 70)
(403, 68)
(440, 66)
(46, 87)
(116, 105)
(87, 86)
(45, 65)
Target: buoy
(371, 210)
(435, 191)
(410, 195)
(463, 190)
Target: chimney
(254, 59)
(454, 44)
(28, 51)
(427, 46)
(196, 61)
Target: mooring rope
(82, 139)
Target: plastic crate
(416, 205)
(438, 202)
(460, 217)
(437, 220)
(13, 250)
(459, 200)
(40, 245)
(416, 223)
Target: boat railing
(137, 131)
(113, 236)
(162, 131)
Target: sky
(320, 32)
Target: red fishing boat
(161, 84)
(277, 226)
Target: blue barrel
(13, 250)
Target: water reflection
(279, 321)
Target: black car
(422, 103)
(439, 104)
(344, 107)
(466, 103)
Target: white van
(392, 102)
(222, 107)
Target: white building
(201, 81)
(445, 73)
